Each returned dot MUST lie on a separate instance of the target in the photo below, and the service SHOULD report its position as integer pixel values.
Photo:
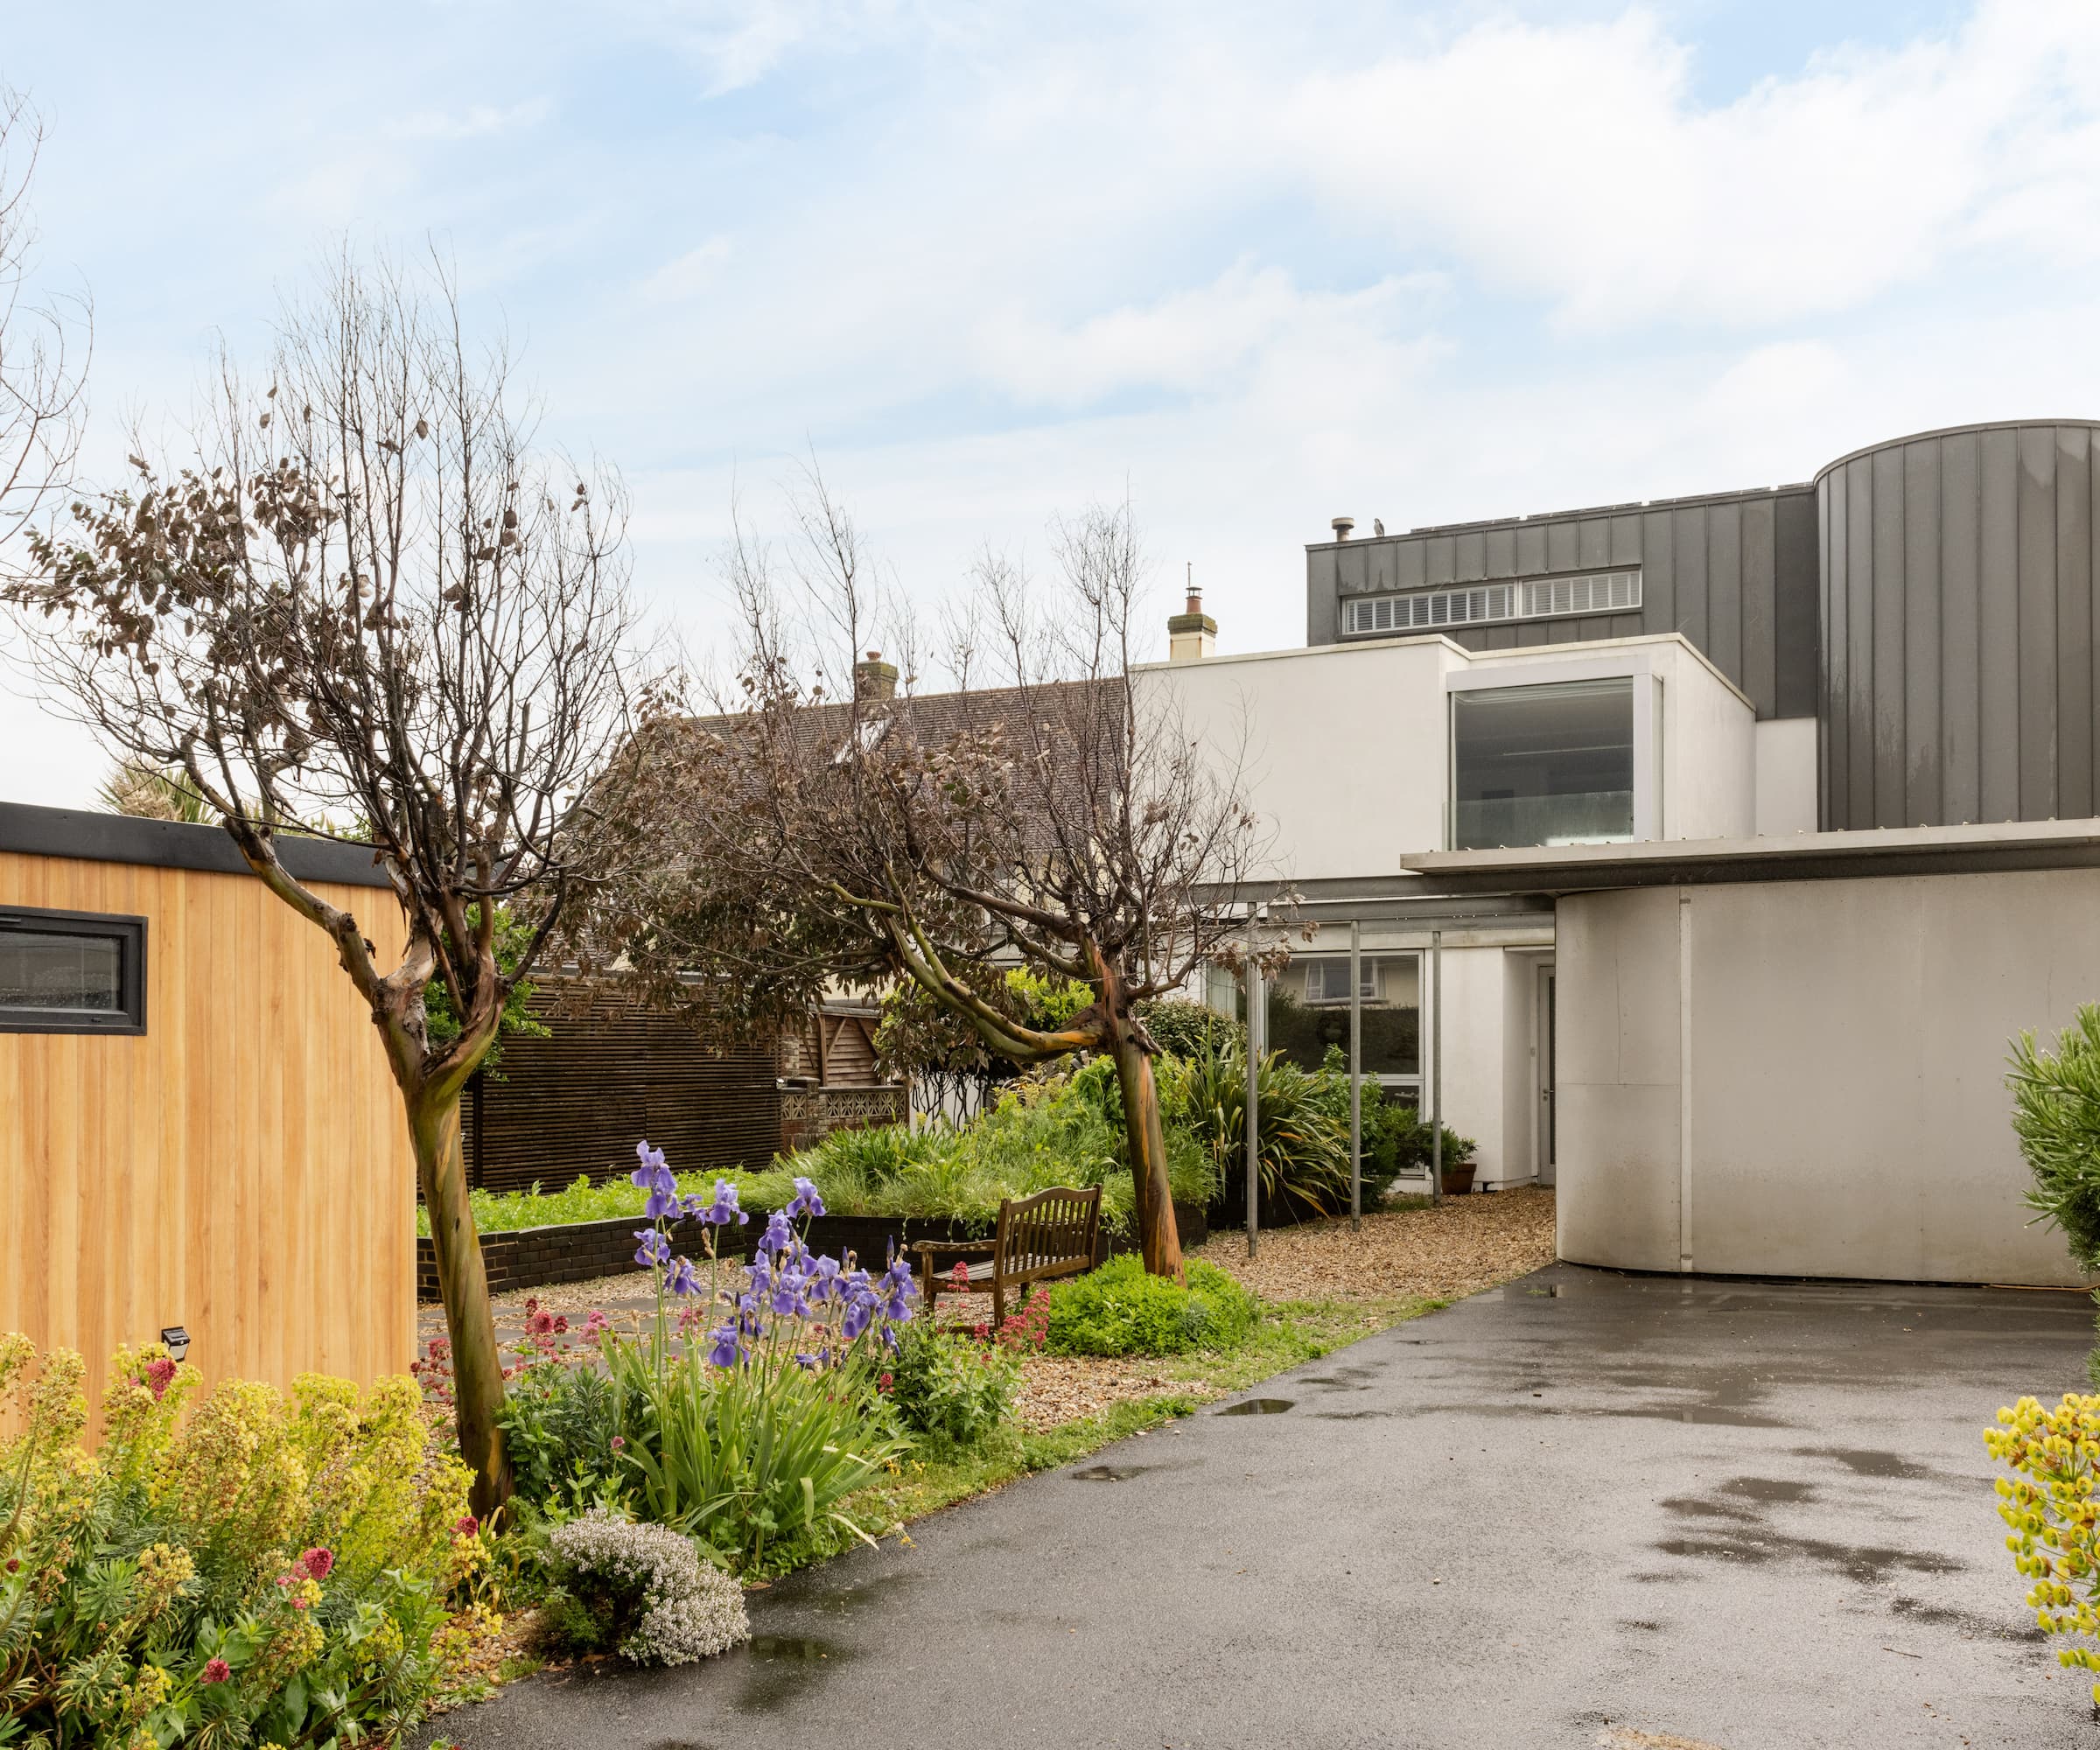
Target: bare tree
(43, 346)
(366, 606)
(1051, 813)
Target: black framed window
(71, 972)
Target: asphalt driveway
(1746, 1515)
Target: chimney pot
(1341, 526)
(1194, 635)
(874, 678)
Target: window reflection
(1542, 764)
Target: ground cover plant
(1118, 1310)
(636, 1590)
(248, 1567)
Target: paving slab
(1586, 1509)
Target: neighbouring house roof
(89, 836)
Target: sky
(1250, 267)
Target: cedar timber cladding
(611, 1074)
(241, 1167)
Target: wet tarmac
(1749, 1514)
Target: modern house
(1747, 828)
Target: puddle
(777, 1669)
(1258, 1406)
(1968, 1622)
(1867, 1463)
(1111, 1473)
(1769, 1489)
(1867, 1564)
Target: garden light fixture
(177, 1339)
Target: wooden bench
(1051, 1233)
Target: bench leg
(998, 1304)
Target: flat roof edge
(85, 835)
(1801, 856)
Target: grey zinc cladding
(1735, 572)
(1958, 576)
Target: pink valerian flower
(886, 1381)
(216, 1671)
(466, 1525)
(160, 1371)
(319, 1563)
(620, 1443)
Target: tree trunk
(463, 1284)
(1158, 1238)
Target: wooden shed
(199, 1126)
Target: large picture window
(1550, 764)
(72, 972)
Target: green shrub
(946, 1392)
(559, 1422)
(1398, 1139)
(263, 1569)
(1118, 1310)
(1181, 1028)
(2056, 1117)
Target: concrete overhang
(1802, 857)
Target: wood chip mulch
(1464, 1245)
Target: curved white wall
(1807, 1078)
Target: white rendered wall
(1341, 749)
(1786, 776)
(1807, 1078)
(1344, 749)
(1709, 750)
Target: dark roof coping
(89, 836)
(1525, 520)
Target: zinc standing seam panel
(2073, 623)
(1959, 672)
(1922, 626)
(1960, 644)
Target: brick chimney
(874, 678)
(1192, 635)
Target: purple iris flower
(682, 1278)
(806, 1200)
(822, 1280)
(725, 1353)
(652, 1171)
(896, 1288)
(778, 1235)
(806, 1360)
(859, 1316)
(655, 1248)
(724, 1209)
(787, 1300)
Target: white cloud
(1200, 341)
(1574, 163)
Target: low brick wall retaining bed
(580, 1251)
